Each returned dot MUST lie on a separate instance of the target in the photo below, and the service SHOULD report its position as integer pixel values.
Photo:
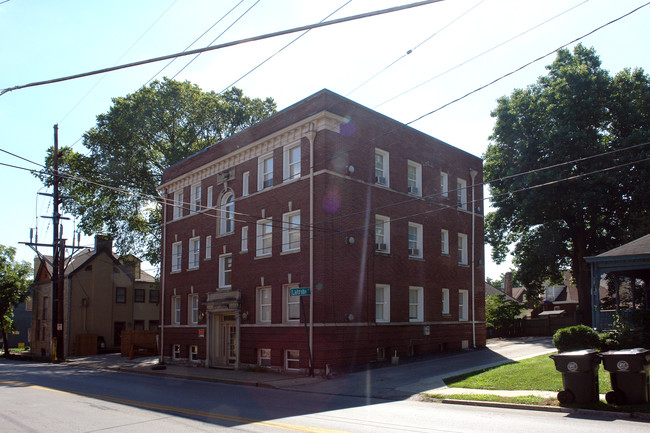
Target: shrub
(576, 338)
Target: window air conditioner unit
(414, 252)
(381, 180)
(380, 247)
(268, 183)
(413, 190)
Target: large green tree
(130, 146)
(557, 214)
(14, 289)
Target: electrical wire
(221, 46)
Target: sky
(456, 47)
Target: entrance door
(223, 350)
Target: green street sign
(300, 291)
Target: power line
(224, 45)
(282, 49)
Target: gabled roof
(637, 247)
(491, 290)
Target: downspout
(473, 174)
(311, 136)
(161, 360)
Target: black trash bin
(579, 376)
(628, 372)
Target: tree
(130, 146)
(555, 207)
(14, 289)
(501, 312)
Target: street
(59, 398)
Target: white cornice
(323, 120)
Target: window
(46, 306)
(382, 234)
(291, 162)
(225, 270)
(463, 310)
(244, 239)
(264, 305)
(138, 325)
(291, 231)
(176, 310)
(193, 305)
(194, 253)
(444, 242)
(154, 296)
(415, 240)
(264, 357)
(177, 351)
(461, 193)
(227, 213)
(265, 172)
(138, 295)
(209, 197)
(208, 247)
(177, 256)
(194, 352)
(445, 301)
(153, 325)
(414, 173)
(382, 303)
(444, 184)
(195, 198)
(264, 238)
(292, 360)
(245, 183)
(381, 167)
(416, 304)
(462, 249)
(120, 295)
(178, 205)
(292, 310)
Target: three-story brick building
(379, 225)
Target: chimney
(507, 283)
(103, 242)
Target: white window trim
(194, 353)
(193, 308)
(244, 239)
(194, 253)
(295, 300)
(287, 360)
(176, 351)
(195, 195)
(444, 184)
(222, 270)
(444, 242)
(418, 179)
(462, 249)
(261, 235)
(287, 164)
(463, 305)
(380, 219)
(385, 170)
(245, 188)
(418, 241)
(261, 174)
(461, 193)
(420, 304)
(227, 217)
(261, 304)
(208, 199)
(176, 310)
(260, 358)
(177, 256)
(208, 247)
(178, 205)
(445, 301)
(289, 229)
(385, 305)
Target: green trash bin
(628, 373)
(579, 376)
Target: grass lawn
(534, 373)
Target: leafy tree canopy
(130, 146)
(14, 289)
(558, 216)
(501, 312)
